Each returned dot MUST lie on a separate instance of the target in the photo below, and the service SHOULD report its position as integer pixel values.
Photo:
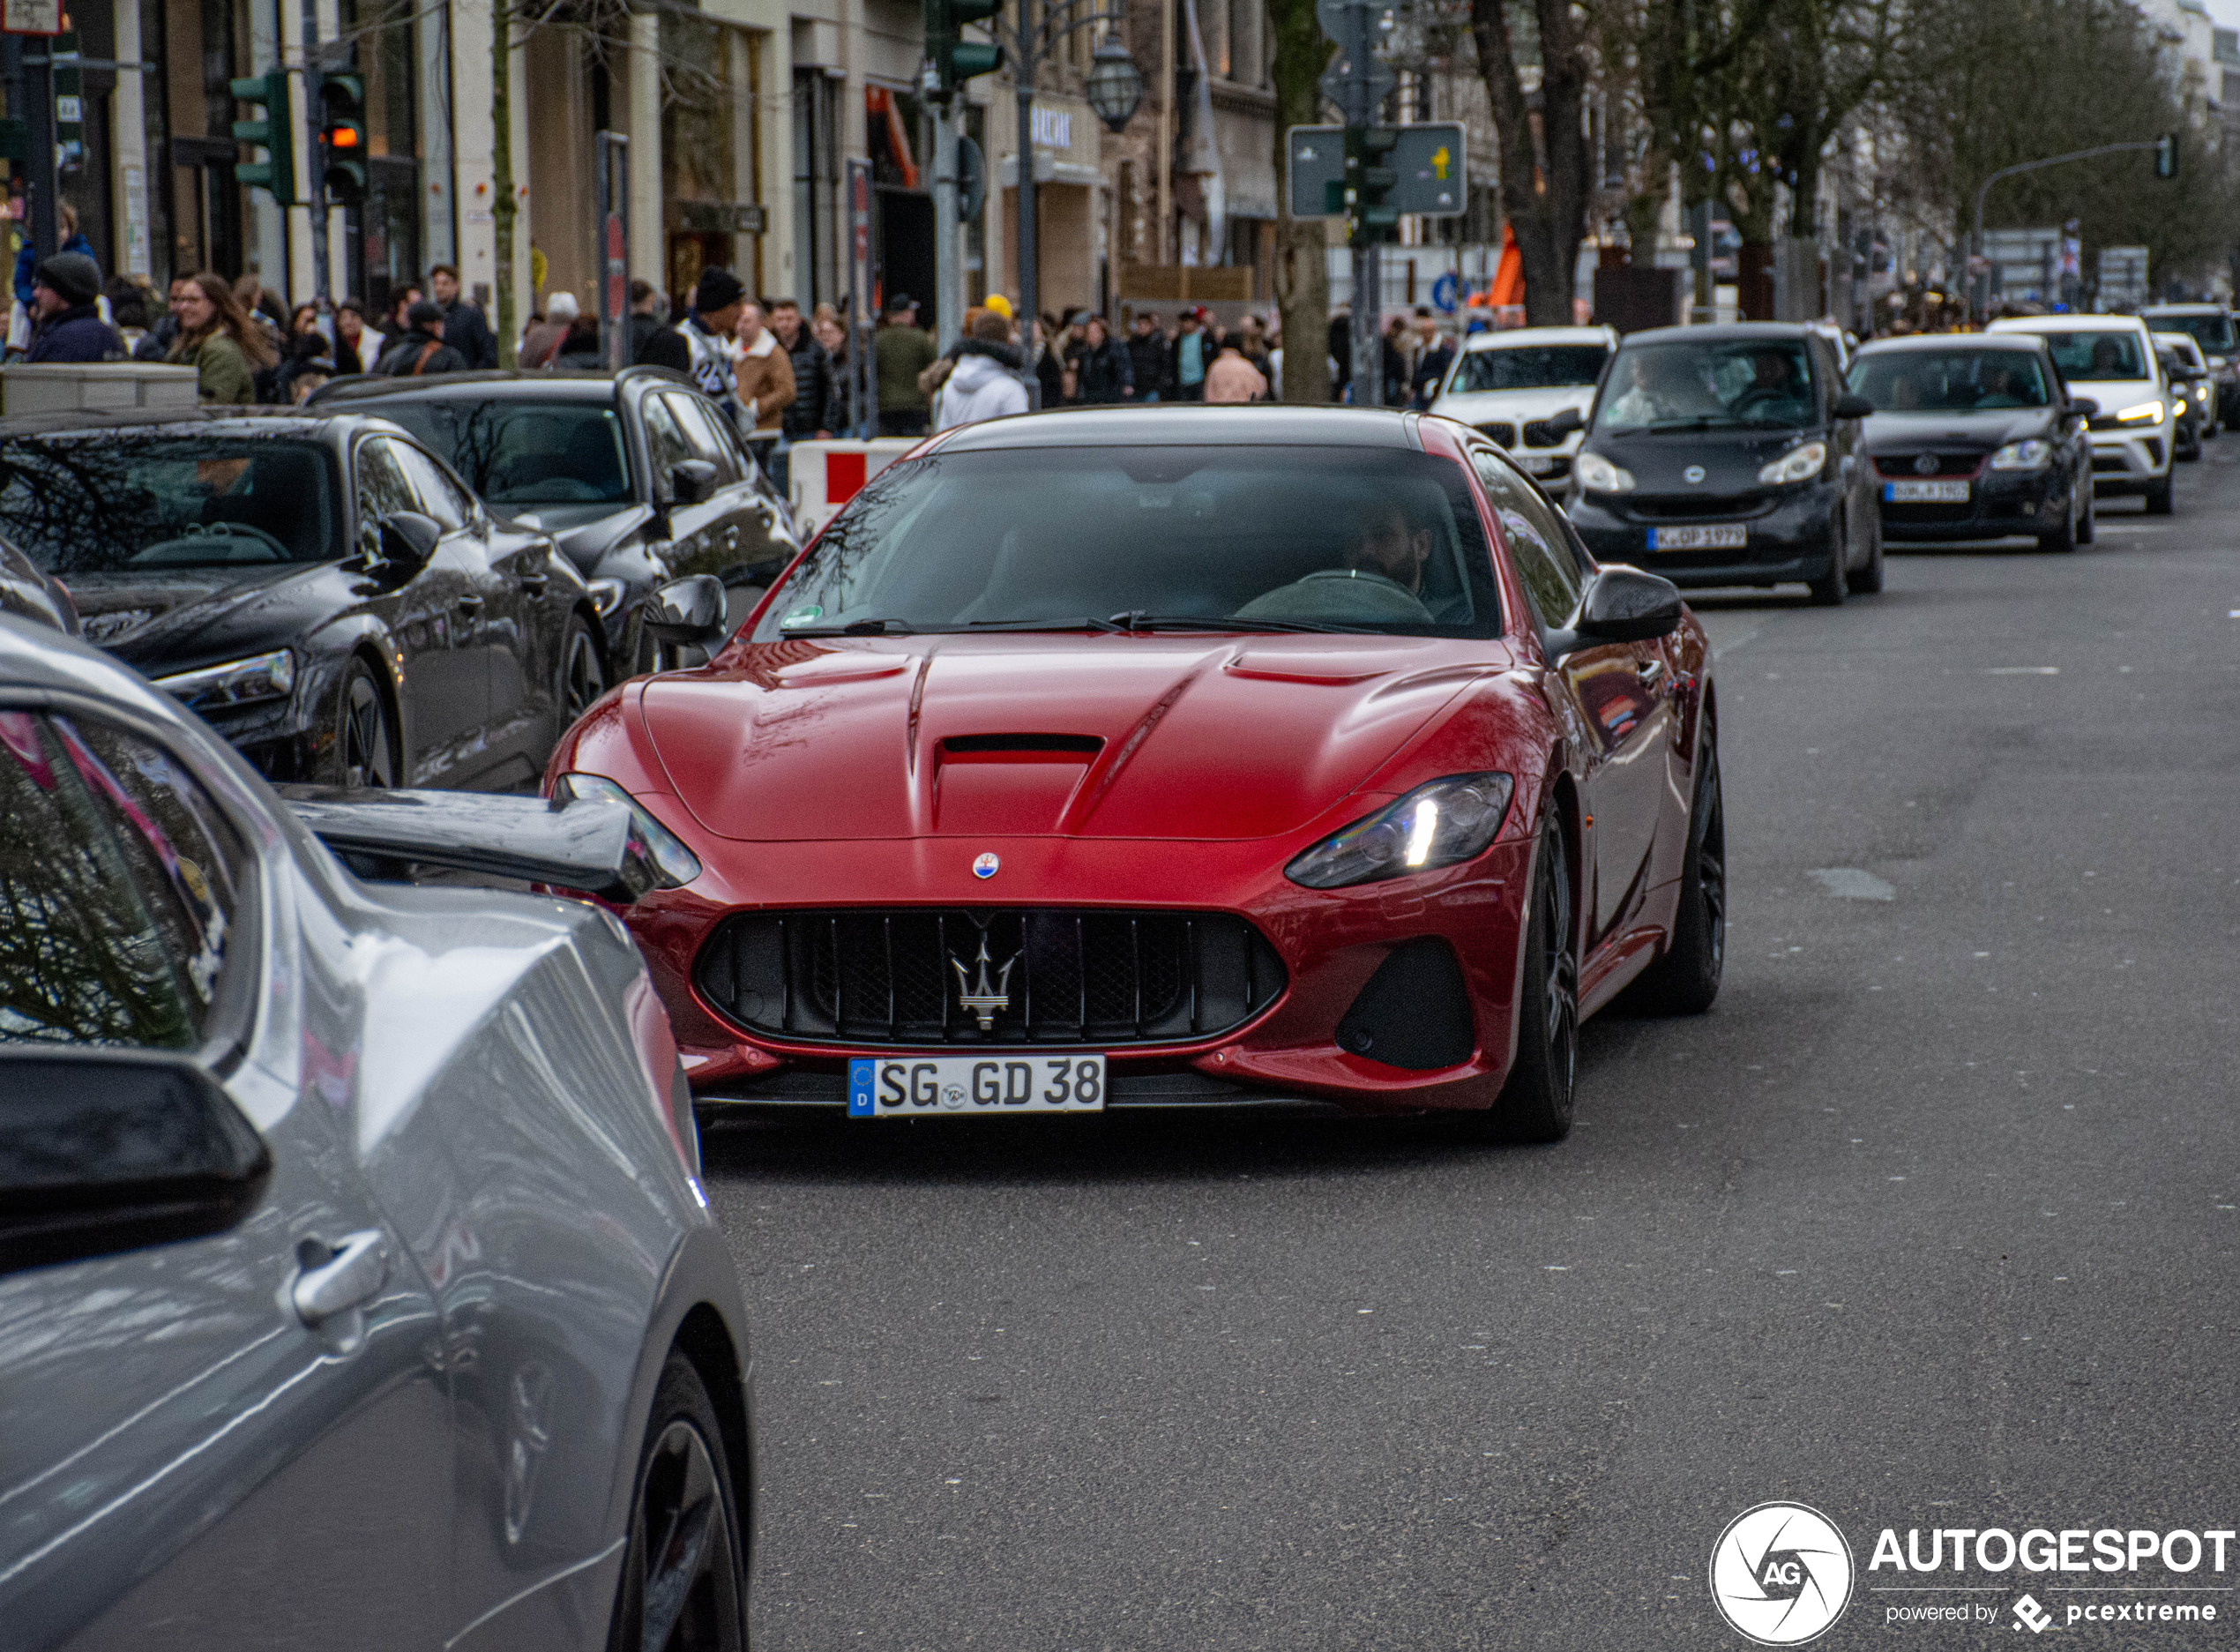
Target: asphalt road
(1930, 1222)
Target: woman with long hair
(219, 340)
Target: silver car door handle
(358, 1268)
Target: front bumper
(1330, 942)
(1791, 534)
(2127, 458)
(1999, 502)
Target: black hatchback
(1729, 455)
(638, 476)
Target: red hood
(1144, 737)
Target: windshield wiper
(1086, 623)
(1136, 619)
(853, 628)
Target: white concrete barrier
(826, 474)
(109, 386)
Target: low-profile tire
(2085, 524)
(2159, 495)
(1685, 980)
(1828, 590)
(583, 670)
(1535, 1103)
(2062, 539)
(1868, 579)
(366, 746)
(684, 1585)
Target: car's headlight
(2030, 455)
(237, 683)
(606, 595)
(679, 865)
(1800, 465)
(2140, 413)
(2220, 361)
(1437, 824)
(1597, 475)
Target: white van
(2109, 361)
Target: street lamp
(1116, 84)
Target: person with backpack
(421, 351)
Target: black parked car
(1975, 436)
(1729, 456)
(639, 477)
(318, 586)
(2192, 388)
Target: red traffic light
(345, 137)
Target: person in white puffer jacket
(983, 385)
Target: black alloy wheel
(365, 745)
(1685, 980)
(683, 1576)
(1828, 590)
(1535, 1104)
(2064, 537)
(583, 679)
(2084, 529)
(1867, 581)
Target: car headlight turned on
(1801, 465)
(1436, 824)
(2141, 412)
(237, 683)
(1597, 475)
(678, 865)
(2030, 455)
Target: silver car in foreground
(357, 1287)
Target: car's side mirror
(110, 1150)
(688, 612)
(2084, 408)
(692, 482)
(409, 539)
(1559, 425)
(1850, 407)
(1624, 604)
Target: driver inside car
(1380, 578)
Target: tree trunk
(1544, 161)
(501, 204)
(1302, 274)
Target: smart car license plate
(1707, 536)
(918, 1086)
(1925, 492)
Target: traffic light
(275, 134)
(2166, 155)
(956, 59)
(1372, 217)
(341, 99)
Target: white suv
(2109, 361)
(1509, 383)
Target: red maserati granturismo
(1185, 757)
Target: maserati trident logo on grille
(1926, 465)
(985, 865)
(984, 998)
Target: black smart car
(1729, 455)
(318, 586)
(639, 477)
(1975, 436)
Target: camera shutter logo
(1781, 1574)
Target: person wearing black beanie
(700, 346)
(66, 322)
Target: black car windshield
(1950, 381)
(2213, 333)
(109, 503)
(1530, 366)
(1716, 384)
(2085, 354)
(513, 451)
(1201, 538)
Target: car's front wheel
(2159, 498)
(1685, 981)
(365, 740)
(1828, 590)
(683, 1572)
(1535, 1104)
(583, 675)
(1868, 579)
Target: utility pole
(2165, 152)
(1358, 83)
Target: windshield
(2087, 356)
(1207, 538)
(1950, 381)
(1530, 366)
(1736, 382)
(513, 451)
(2213, 333)
(108, 502)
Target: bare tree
(1538, 67)
(1302, 266)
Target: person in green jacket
(218, 340)
(901, 351)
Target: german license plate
(1705, 536)
(1925, 492)
(918, 1086)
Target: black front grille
(1501, 432)
(1907, 466)
(904, 975)
(1688, 507)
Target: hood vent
(1083, 745)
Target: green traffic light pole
(1979, 286)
